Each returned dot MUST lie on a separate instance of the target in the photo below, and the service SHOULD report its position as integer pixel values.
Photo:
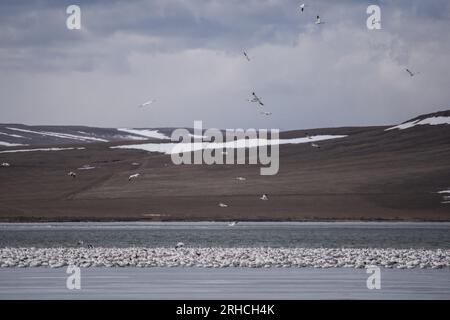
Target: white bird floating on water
(5, 164)
(412, 74)
(147, 103)
(135, 164)
(264, 197)
(315, 145)
(133, 176)
(302, 7)
(266, 113)
(241, 178)
(318, 21)
(255, 98)
(179, 245)
(232, 223)
(223, 205)
(72, 174)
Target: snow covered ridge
(7, 144)
(430, 121)
(59, 135)
(41, 149)
(172, 147)
(225, 257)
(145, 133)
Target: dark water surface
(219, 234)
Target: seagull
(232, 223)
(223, 205)
(302, 7)
(256, 99)
(145, 104)
(133, 176)
(412, 74)
(72, 174)
(179, 245)
(314, 145)
(135, 164)
(241, 178)
(246, 56)
(264, 197)
(318, 21)
(5, 164)
(266, 113)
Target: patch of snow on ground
(430, 121)
(172, 148)
(11, 135)
(7, 144)
(40, 149)
(145, 133)
(60, 135)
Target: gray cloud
(188, 55)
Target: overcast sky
(187, 54)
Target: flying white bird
(255, 98)
(146, 104)
(223, 205)
(179, 245)
(318, 21)
(72, 174)
(412, 74)
(314, 145)
(264, 197)
(232, 223)
(133, 176)
(241, 178)
(5, 164)
(246, 56)
(266, 113)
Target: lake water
(219, 234)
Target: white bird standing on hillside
(314, 145)
(255, 98)
(133, 176)
(145, 104)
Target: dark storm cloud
(188, 54)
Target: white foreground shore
(225, 257)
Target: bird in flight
(255, 98)
(318, 21)
(147, 103)
(133, 176)
(412, 74)
(246, 56)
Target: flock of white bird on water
(181, 256)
